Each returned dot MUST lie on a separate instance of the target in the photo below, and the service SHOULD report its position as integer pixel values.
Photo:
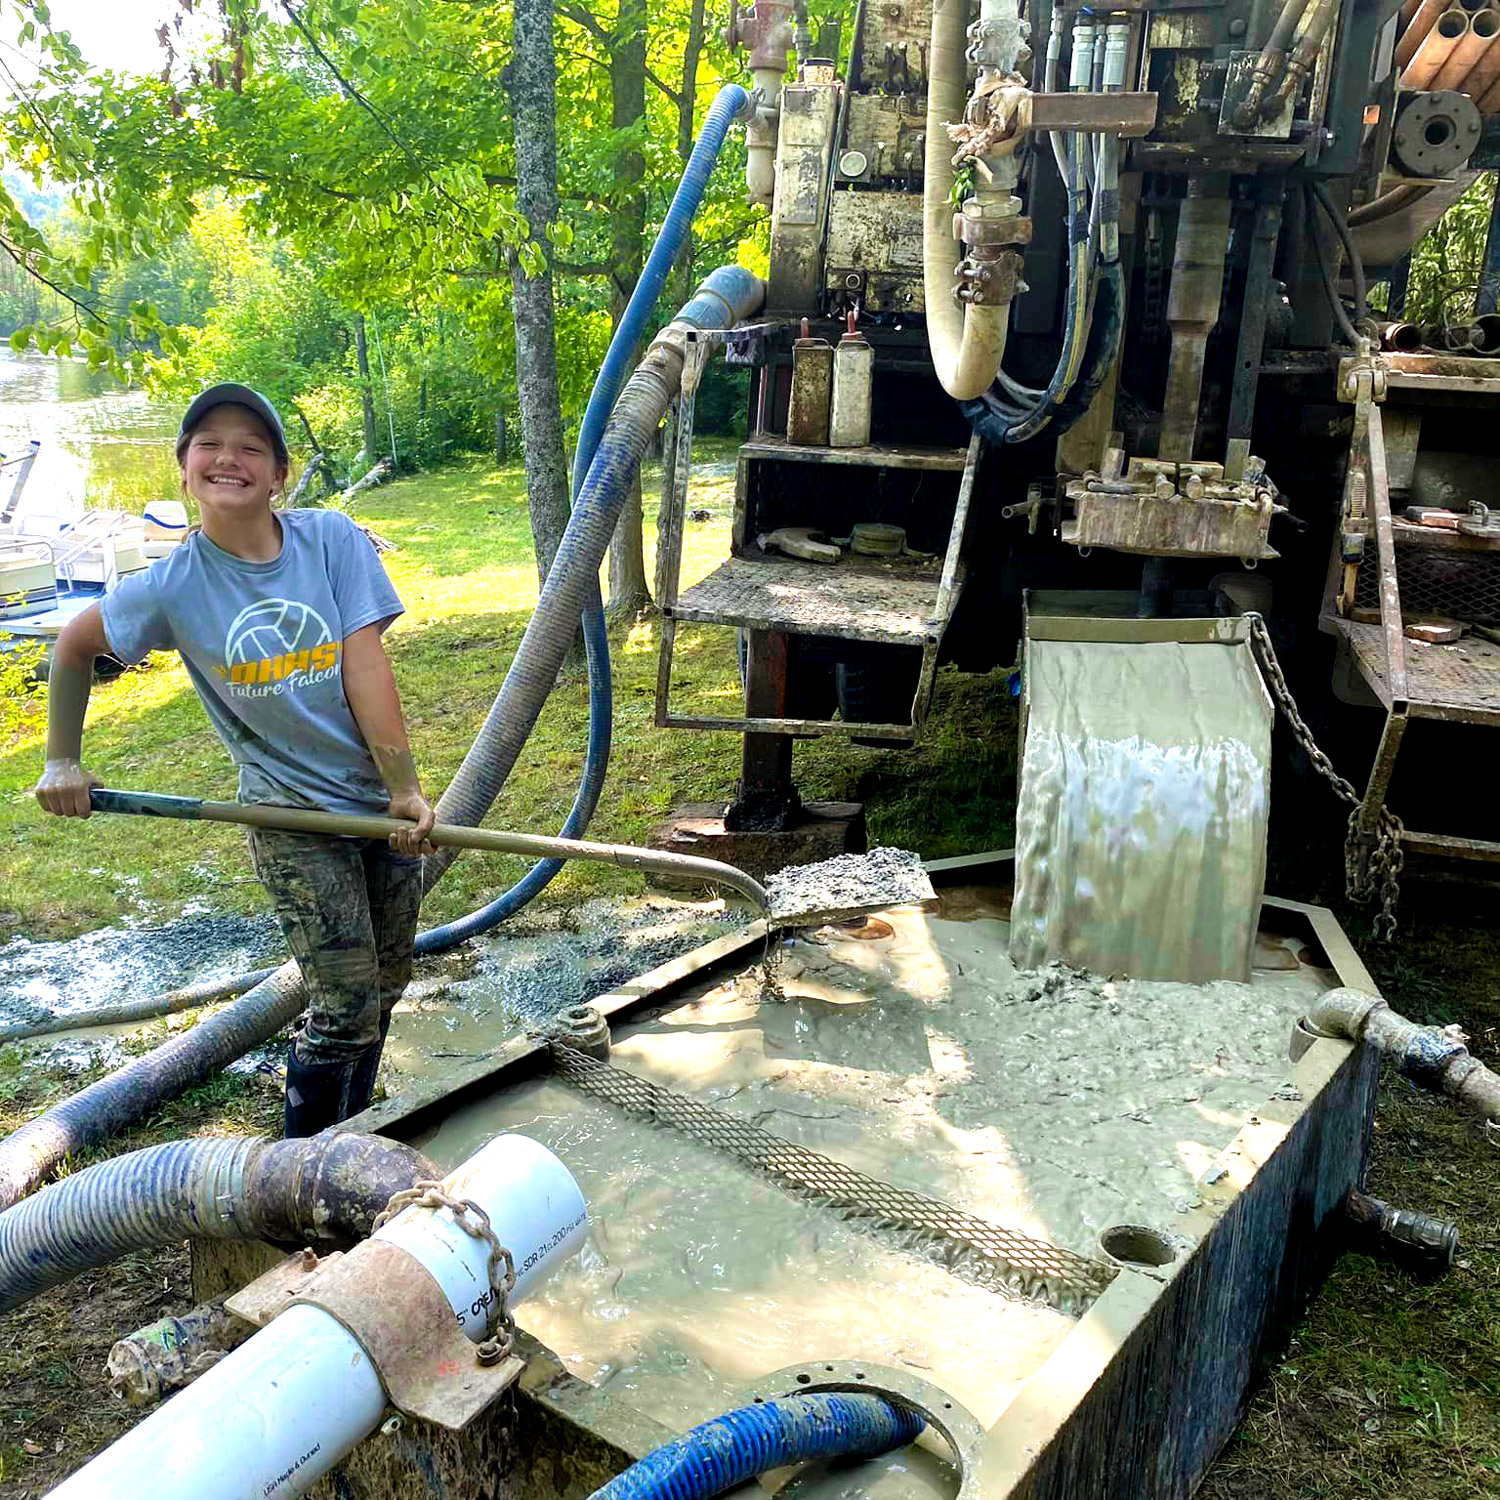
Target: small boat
(28, 577)
(53, 568)
(166, 527)
(99, 549)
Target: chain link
(500, 1330)
(1366, 876)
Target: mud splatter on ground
(128, 963)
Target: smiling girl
(278, 617)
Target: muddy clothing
(348, 908)
(263, 644)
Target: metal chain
(500, 1330)
(1364, 879)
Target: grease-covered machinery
(1114, 266)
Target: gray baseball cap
(235, 395)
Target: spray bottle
(812, 390)
(853, 371)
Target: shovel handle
(451, 835)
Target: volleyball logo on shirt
(275, 646)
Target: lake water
(102, 447)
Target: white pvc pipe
(270, 1419)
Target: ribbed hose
(327, 1190)
(740, 1445)
(727, 106)
(727, 296)
(29, 1155)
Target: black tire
(878, 693)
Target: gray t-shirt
(263, 644)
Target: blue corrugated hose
(741, 1444)
(669, 242)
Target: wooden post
(499, 437)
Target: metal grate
(998, 1259)
(1459, 585)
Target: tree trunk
(366, 390)
(687, 104)
(532, 82)
(628, 594)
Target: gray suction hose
(1433, 1059)
(326, 1191)
(728, 296)
(30, 1154)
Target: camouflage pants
(348, 908)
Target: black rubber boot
(319, 1094)
(366, 1067)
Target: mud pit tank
(912, 1173)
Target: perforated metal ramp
(1461, 680)
(895, 604)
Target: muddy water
(699, 1277)
(1051, 1102)
(1145, 793)
(460, 1008)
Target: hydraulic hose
(327, 1190)
(1319, 191)
(728, 104)
(28, 1155)
(726, 297)
(999, 420)
(718, 1455)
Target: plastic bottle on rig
(853, 376)
(812, 390)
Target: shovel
(806, 898)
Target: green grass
(463, 565)
(1391, 1386)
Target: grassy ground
(1390, 1386)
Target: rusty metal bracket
(390, 1303)
(1362, 377)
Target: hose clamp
(388, 1301)
(989, 277)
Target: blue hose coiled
(727, 105)
(738, 1446)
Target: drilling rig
(1074, 304)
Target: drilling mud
(1144, 800)
(116, 964)
(458, 1006)
(1052, 1102)
(846, 886)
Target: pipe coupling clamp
(1416, 1239)
(389, 1302)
